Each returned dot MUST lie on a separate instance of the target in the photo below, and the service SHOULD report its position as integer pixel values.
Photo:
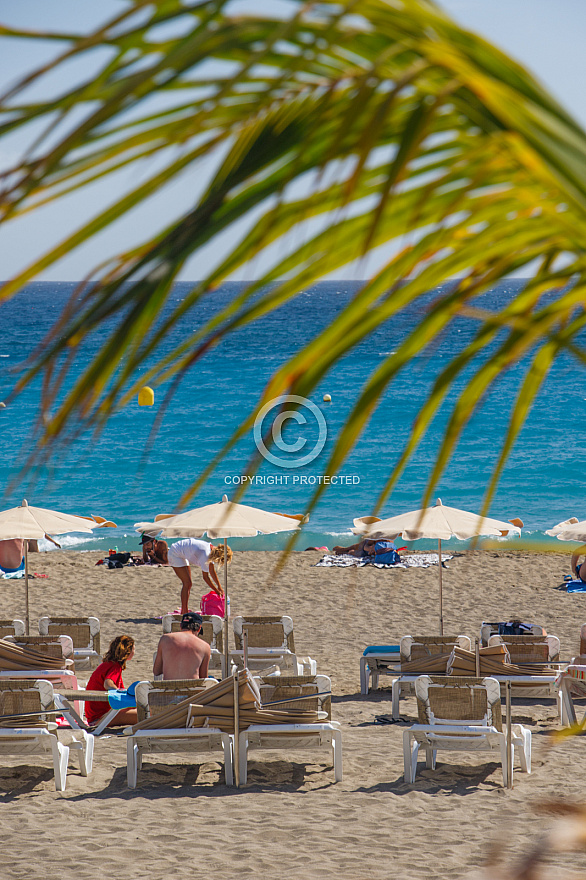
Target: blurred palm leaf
(362, 126)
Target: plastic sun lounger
(378, 660)
(32, 700)
(153, 697)
(286, 692)
(463, 716)
(270, 642)
(84, 632)
(422, 648)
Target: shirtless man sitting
(11, 554)
(183, 654)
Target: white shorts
(177, 561)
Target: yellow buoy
(146, 396)
(327, 398)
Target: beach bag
(119, 557)
(211, 603)
(391, 557)
(117, 560)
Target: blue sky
(547, 37)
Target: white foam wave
(65, 541)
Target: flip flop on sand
(387, 719)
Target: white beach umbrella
(569, 530)
(439, 522)
(225, 519)
(29, 523)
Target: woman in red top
(107, 676)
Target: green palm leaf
(376, 126)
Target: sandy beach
(291, 819)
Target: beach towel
(123, 698)
(408, 560)
(576, 587)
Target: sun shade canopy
(225, 519)
(569, 530)
(439, 522)
(36, 522)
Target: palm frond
(368, 127)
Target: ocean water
(541, 483)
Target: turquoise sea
(541, 484)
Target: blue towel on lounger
(381, 649)
(123, 699)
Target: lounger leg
(504, 759)
(337, 749)
(522, 745)
(131, 762)
(364, 673)
(568, 711)
(410, 752)
(243, 747)
(228, 758)
(60, 761)
(430, 757)
(84, 748)
(395, 697)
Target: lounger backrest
(11, 628)
(171, 622)
(49, 645)
(154, 697)
(529, 649)
(489, 629)
(211, 631)
(297, 692)
(475, 701)
(28, 697)
(84, 631)
(419, 647)
(265, 632)
(14, 657)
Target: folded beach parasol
(493, 661)
(215, 708)
(14, 658)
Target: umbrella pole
(236, 729)
(226, 654)
(439, 547)
(27, 615)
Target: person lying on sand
(154, 552)
(367, 547)
(182, 655)
(353, 550)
